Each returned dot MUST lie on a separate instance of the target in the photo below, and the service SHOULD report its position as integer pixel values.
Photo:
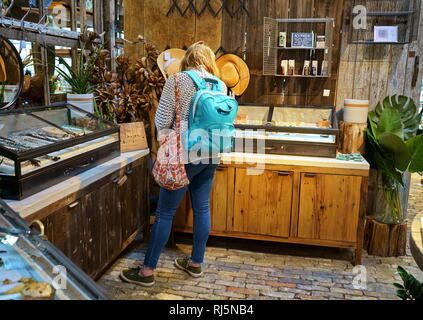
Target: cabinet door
(218, 204)
(263, 202)
(63, 228)
(329, 207)
(131, 195)
(219, 198)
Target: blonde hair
(200, 55)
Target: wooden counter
(94, 216)
(305, 200)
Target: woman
(201, 59)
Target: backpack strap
(202, 83)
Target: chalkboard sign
(302, 40)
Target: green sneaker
(183, 264)
(132, 276)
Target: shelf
(305, 20)
(392, 13)
(298, 48)
(372, 42)
(272, 52)
(405, 14)
(299, 76)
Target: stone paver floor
(246, 269)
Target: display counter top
(253, 158)
(63, 189)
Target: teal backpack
(211, 117)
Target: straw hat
(169, 61)
(2, 70)
(234, 73)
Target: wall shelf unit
(403, 14)
(273, 54)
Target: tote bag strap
(178, 116)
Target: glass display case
(42, 146)
(31, 268)
(289, 130)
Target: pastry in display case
(31, 268)
(42, 146)
(287, 130)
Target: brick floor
(246, 269)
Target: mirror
(11, 74)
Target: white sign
(386, 34)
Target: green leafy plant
(411, 289)
(394, 149)
(79, 79)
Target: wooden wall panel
(358, 71)
(156, 25)
(208, 27)
(149, 18)
(372, 72)
(267, 89)
(181, 30)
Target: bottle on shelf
(314, 63)
(282, 39)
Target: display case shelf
(404, 14)
(300, 76)
(273, 54)
(288, 129)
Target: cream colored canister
(356, 111)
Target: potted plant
(393, 149)
(79, 80)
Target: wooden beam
(98, 14)
(82, 15)
(109, 29)
(44, 56)
(37, 37)
(74, 18)
(31, 27)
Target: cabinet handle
(221, 168)
(310, 175)
(120, 181)
(73, 205)
(269, 148)
(40, 225)
(129, 171)
(284, 173)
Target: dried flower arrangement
(132, 92)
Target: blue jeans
(201, 178)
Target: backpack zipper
(199, 96)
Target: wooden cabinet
(329, 207)
(262, 202)
(93, 226)
(286, 203)
(219, 199)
